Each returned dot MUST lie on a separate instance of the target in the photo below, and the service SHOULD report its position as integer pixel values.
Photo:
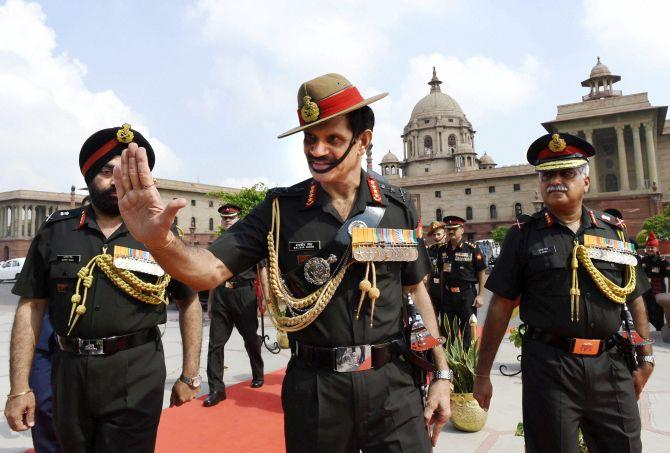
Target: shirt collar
(89, 221)
(363, 195)
(588, 219)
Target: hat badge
(557, 144)
(310, 110)
(125, 135)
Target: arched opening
(428, 145)
(211, 224)
(493, 211)
(468, 213)
(393, 170)
(192, 222)
(518, 210)
(438, 214)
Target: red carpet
(249, 420)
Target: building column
(595, 187)
(651, 154)
(623, 164)
(15, 221)
(3, 209)
(404, 148)
(637, 150)
(32, 221)
(26, 222)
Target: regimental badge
(311, 195)
(310, 110)
(125, 135)
(317, 270)
(384, 244)
(557, 144)
(136, 260)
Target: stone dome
(600, 70)
(435, 104)
(390, 158)
(486, 160)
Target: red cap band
(104, 149)
(334, 104)
(568, 151)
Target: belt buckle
(91, 347)
(455, 289)
(583, 346)
(353, 358)
(229, 285)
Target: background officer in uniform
(438, 237)
(463, 265)
(333, 400)
(232, 304)
(656, 268)
(574, 375)
(108, 367)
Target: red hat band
(102, 151)
(334, 104)
(568, 151)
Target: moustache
(320, 160)
(557, 188)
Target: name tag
(304, 246)
(463, 257)
(544, 251)
(68, 258)
(655, 270)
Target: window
(192, 222)
(468, 213)
(493, 211)
(425, 169)
(517, 187)
(611, 183)
(438, 214)
(393, 169)
(492, 189)
(192, 202)
(211, 224)
(428, 145)
(438, 194)
(451, 141)
(211, 204)
(518, 210)
(468, 191)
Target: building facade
(446, 175)
(23, 211)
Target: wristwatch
(443, 374)
(193, 382)
(647, 358)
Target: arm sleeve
(245, 243)
(506, 276)
(413, 272)
(479, 260)
(33, 282)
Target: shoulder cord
(611, 290)
(126, 281)
(315, 303)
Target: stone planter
(282, 339)
(466, 415)
(663, 300)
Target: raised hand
(142, 209)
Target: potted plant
(466, 414)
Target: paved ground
(497, 436)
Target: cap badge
(310, 110)
(557, 144)
(125, 135)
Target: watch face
(197, 381)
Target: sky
(212, 83)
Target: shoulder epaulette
(471, 244)
(609, 219)
(395, 192)
(521, 220)
(295, 190)
(64, 214)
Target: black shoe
(214, 398)
(256, 383)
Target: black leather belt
(579, 346)
(346, 358)
(106, 346)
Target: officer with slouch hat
(575, 273)
(105, 296)
(342, 251)
(437, 234)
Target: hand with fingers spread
(140, 204)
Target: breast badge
(317, 270)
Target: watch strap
(443, 374)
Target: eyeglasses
(566, 173)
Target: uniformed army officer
(576, 275)
(232, 304)
(656, 268)
(345, 388)
(438, 236)
(105, 297)
(463, 265)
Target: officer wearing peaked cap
(105, 296)
(346, 387)
(576, 277)
(437, 235)
(463, 266)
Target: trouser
(654, 311)
(232, 308)
(109, 403)
(563, 392)
(377, 410)
(457, 312)
(44, 434)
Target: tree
(659, 224)
(499, 233)
(246, 199)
